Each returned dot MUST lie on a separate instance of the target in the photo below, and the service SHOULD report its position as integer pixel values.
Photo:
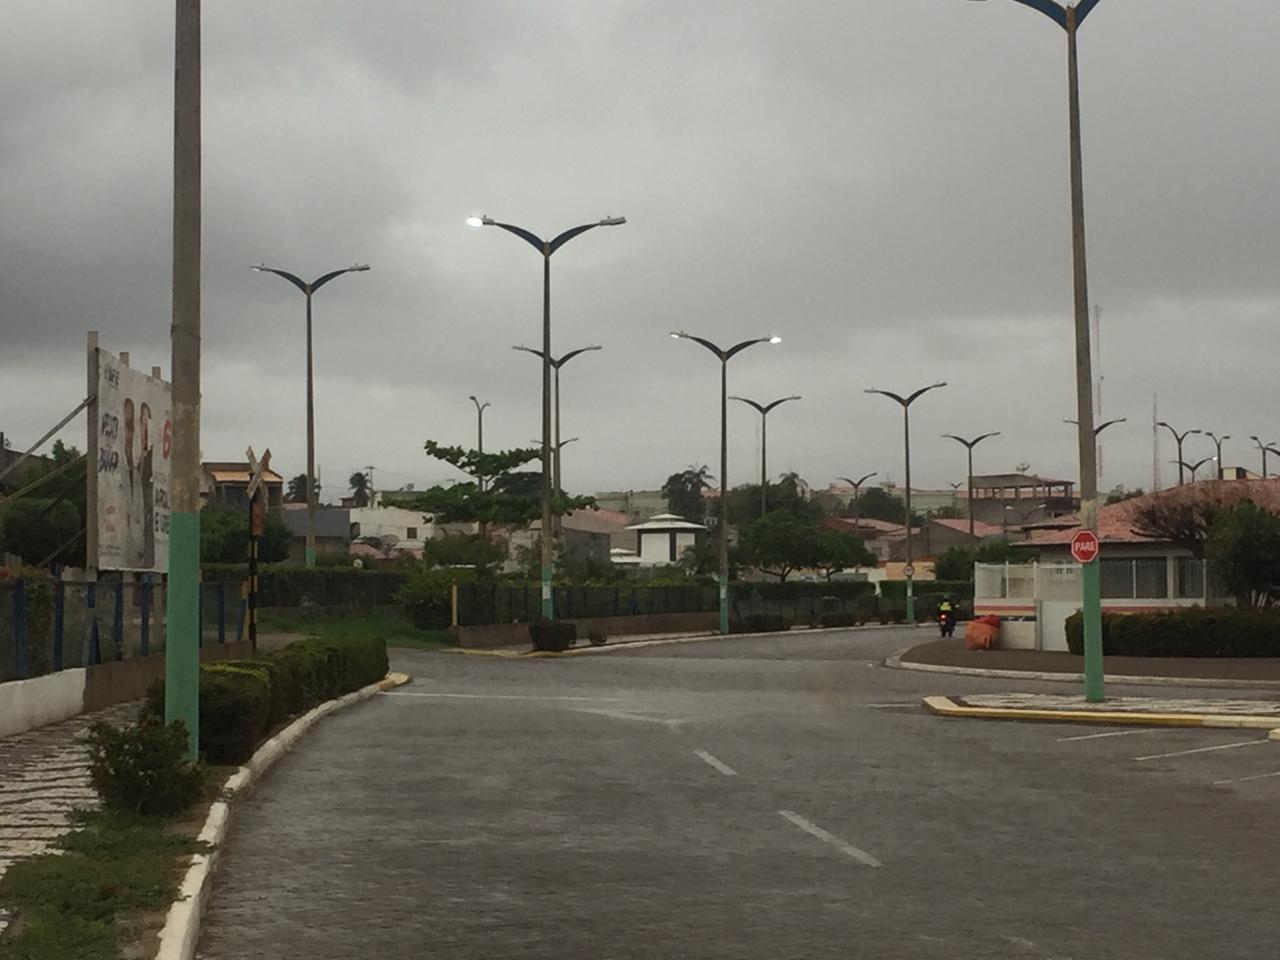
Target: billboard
(132, 435)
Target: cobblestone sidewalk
(1044, 701)
(44, 776)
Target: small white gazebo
(662, 538)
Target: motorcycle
(946, 623)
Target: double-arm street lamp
(1265, 448)
(546, 248)
(906, 444)
(1070, 18)
(724, 356)
(308, 289)
(969, 445)
(556, 364)
(763, 409)
(857, 492)
(1217, 446)
(1177, 439)
(480, 408)
(1102, 426)
(1192, 467)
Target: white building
(663, 538)
(396, 528)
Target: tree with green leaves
(780, 543)
(42, 530)
(296, 491)
(1244, 543)
(224, 535)
(683, 491)
(464, 550)
(876, 503)
(956, 563)
(361, 493)
(836, 552)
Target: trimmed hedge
(242, 701)
(760, 623)
(1190, 632)
(803, 589)
(554, 636)
(897, 589)
(287, 585)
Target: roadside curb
(896, 662)
(947, 707)
(181, 929)
(667, 641)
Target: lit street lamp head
(480, 221)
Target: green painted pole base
(724, 606)
(548, 605)
(911, 604)
(1092, 613)
(182, 628)
(310, 556)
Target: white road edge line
(623, 715)
(814, 830)
(724, 768)
(1183, 753)
(1256, 776)
(499, 696)
(1113, 733)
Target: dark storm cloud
(884, 184)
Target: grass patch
(78, 905)
(395, 630)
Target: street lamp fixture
(857, 488)
(307, 290)
(763, 409)
(1265, 448)
(969, 445)
(1098, 429)
(724, 356)
(1070, 18)
(1193, 467)
(905, 403)
(1178, 438)
(546, 248)
(1217, 444)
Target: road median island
(1117, 711)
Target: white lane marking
(499, 696)
(1221, 746)
(1256, 776)
(724, 768)
(1113, 733)
(814, 830)
(1032, 946)
(623, 715)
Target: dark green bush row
(801, 589)
(841, 620)
(242, 701)
(760, 623)
(1192, 632)
(286, 585)
(897, 589)
(553, 635)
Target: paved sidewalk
(1139, 711)
(951, 653)
(44, 776)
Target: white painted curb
(897, 663)
(182, 925)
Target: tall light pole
(1178, 438)
(1217, 446)
(1070, 18)
(969, 445)
(546, 248)
(724, 356)
(182, 600)
(1265, 448)
(556, 364)
(906, 446)
(1193, 467)
(480, 408)
(857, 488)
(307, 290)
(763, 409)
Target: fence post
(453, 604)
(144, 639)
(222, 610)
(1204, 581)
(91, 605)
(59, 599)
(117, 619)
(20, 629)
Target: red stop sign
(1084, 546)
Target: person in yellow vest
(946, 616)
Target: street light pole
(763, 409)
(1177, 439)
(546, 248)
(307, 290)
(906, 445)
(857, 487)
(969, 445)
(724, 356)
(1265, 448)
(1070, 18)
(480, 408)
(1193, 467)
(1217, 445)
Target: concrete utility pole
(182, 598)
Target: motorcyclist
(946, 615)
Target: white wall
(393, 521)
(25, 704)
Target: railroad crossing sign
(256, 470)
(1084, 546)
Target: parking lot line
(498, 696)
(724, 768)
(1256, 776)
(814, 830)
(1113, 733)
(1221, 746)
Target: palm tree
(360, 492)
(297, 489)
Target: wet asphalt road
(748, 798)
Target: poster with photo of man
(134, 436)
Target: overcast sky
(883, 184)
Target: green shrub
(427, 596)
(554, 636)
(1188, 632)
(839, 620)
(597, 636)
(760, 623)
(804, 589)
(235, 704)
(143, 768)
